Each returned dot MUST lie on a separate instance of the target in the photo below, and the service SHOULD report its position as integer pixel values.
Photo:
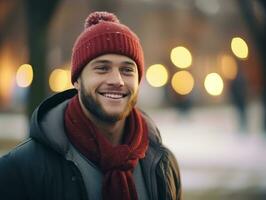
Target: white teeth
(113, 96)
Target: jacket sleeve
(169, 183)
(11, 186)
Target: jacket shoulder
(24, 169)
(12, 185)
(168, 173)
(167, 169)
(26, 155)
(30, 154)
(153, 131)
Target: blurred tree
(38, 15)
(238, 95)
(104, 5)
(7, 17)
(257, 27)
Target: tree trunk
(258, 32)
(39, 14)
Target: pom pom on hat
(97, 17)
(104, 34)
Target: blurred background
(204, 84)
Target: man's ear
(77, 84)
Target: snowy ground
(214, 154)
(216, 158)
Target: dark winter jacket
(38, 168)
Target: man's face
(108, 87)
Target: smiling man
(91, 142)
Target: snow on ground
(211, 149)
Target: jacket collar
(47, 122)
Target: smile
(113, 95)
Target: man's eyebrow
(110, 62)
(101, 62)
(129, 63)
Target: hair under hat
(103, 34)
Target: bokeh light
(239, 47)
(69, 83)
(24, 75)
(181, 57)
(214, 84)
(182, 82)
(7, 75)
(59, 80)
(209, 7)
(228, 67)
(157, 75)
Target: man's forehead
(113, 58)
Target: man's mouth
(113, 95)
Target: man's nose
(115, 78)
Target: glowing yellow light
(157, 75)
(239, 47)
(69, 83)
(24, 75)
(214, 84)
(6, 78)
(7, 73)
(181, 57)
(228, 67)
(182, 82)
(59, 80)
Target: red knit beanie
(104, 34)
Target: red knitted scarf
(116, 162)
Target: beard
(97, 110)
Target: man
(91, 142)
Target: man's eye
(127, 70)
(101, 69)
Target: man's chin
(115, 116)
